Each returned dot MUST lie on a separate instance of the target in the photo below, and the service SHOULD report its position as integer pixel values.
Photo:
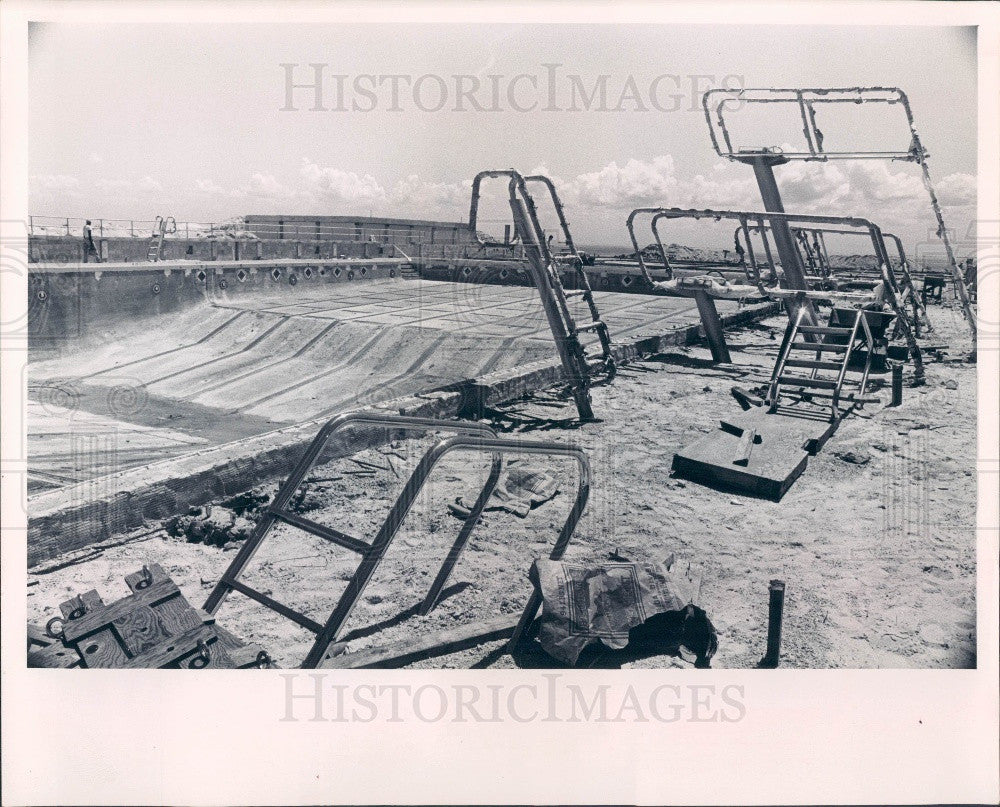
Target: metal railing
(471, 437)
(716, 102)
(362, 230)
(760, 223)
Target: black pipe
(776, 607)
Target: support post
(897, 385)
(713, 327)
(791, 265)
(776, 607)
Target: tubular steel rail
(715, 103)
(813, 241)
(760, 222)
(472, 436)
(577, 366)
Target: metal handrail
(474, 436)
(806, 99)
(889, 284)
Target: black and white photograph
(611, 382)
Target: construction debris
(214, 525)
(617, 605)
(520, 490)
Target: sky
(197, 121)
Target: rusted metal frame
(603, 334)
(569, 526)
(246, 553)
(661, 214)
(414, 484)
(553, 297)
(870, 340)
(773, 273)
(630, 226)
(882, 254)
(916, 152)
(818, 234)
(762, 218)
(887, 95)
(810, 219)
(561, 321)
(919, 312)
(461, 540)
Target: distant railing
(133, 228)
(371, 231)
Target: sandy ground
(875, 541)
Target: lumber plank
(435, 644)
(55, 655)
(174, 649)
(38, 636)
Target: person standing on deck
(88, 243)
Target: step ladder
(162, 228)
(579, 367)
(824, 374)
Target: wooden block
(94, 620)
(101, 650)
(90, 600)
(243, 654)
(135, 580)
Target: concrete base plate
(784, 440)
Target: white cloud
(637, 183)
(106, 184)
(209, 186)
(415, 197)
(957, 190)
(332, 185)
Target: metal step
(813, 364)
(805, 381)
(824, 330)
(849, 397)
(818, 346)
(590, 326)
